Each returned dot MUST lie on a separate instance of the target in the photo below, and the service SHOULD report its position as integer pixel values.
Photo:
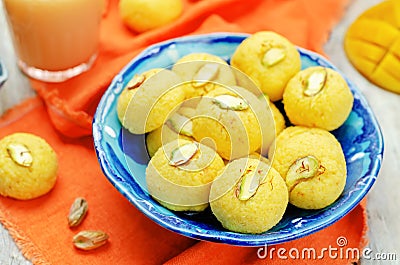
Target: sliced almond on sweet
(315, 82)
(183, 154)
(230, 102)
(136, 81)
(205, 74)
(180, 124)
(20, 154)
(273, 56)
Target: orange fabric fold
(62, 114)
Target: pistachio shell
(230, 102)
(87, 240)
(77, 212)
(273, 56)
(205, 74)
(183, 154)
(20, 154)
(315, 82)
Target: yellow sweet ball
(269, 59)
(152, 94)
(196, 67)
(235, 131)
(313, 165)
(318, 97)
(179, 175)
(28, 166)
(144, 15)
(163, 135)
(249, 196)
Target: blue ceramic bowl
(123, 156)
(3, 74)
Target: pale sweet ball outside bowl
(28, 166)
(144, 15)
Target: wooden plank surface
(383, 199)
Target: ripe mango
(372, 44)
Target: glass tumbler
(54, 39)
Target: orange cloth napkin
(62, 115)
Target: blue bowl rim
(4, 73)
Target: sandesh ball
(177, 126)
(318, 97)
(148, 99)
(179, 175)
(249, 197)
(269, 59)
(202, 72)
(144, 15)
(312, 163)
(28, 166)
(230, 120)
(279, 119)
(163, 135)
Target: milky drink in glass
(54, 39)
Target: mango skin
(372, 44)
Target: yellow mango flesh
(372, 44)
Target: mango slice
(372, 44)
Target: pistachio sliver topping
(248, 184)
(180, 124)
(87, 240)
(273, 56)
(230, 102)
(20, 154)
(77, 212)
(302, 169)
(205, 74)
(183, 154)
(136, 81)
(315, 82)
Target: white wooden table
(383, 199)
